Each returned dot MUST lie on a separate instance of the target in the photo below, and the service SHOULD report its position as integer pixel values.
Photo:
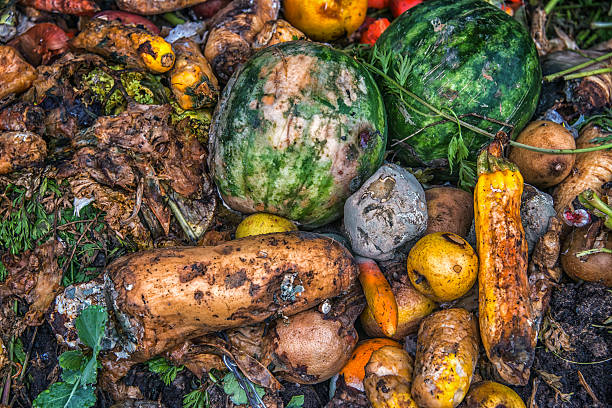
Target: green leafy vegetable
(297, 401)
(79, 371)
(167, 371)
(196, 399)
(232, 388)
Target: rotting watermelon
(297, 129)
(465, 57)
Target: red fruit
(399, 6)
(378, 4)
(374, 31)
(209, 8)
(128, 19)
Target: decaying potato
(20, 149)
(540, 169)
(449, 209)
(310, 348)
(412, 307)
(388, 377)
(132, 46)
(233, 31)
(192, 81)
(17, 75)
(446, 356)
(596, 267)
(489, 394)
(275, 32)
(442, 266)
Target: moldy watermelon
(297, 129)
(464, 56)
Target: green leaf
(90, 373)
(297, 401)
(18, 351)
(167, 371)
(232, 388)
(91, 324)
(196, 399)
(72, 360)
(63, 395)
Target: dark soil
(41, 370)
(152, 387)
(576, 307)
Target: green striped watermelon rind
(297, 181)
(465, 56)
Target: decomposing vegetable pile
(265, 203)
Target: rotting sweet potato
(135, 47)
(233, 32)
(20, 149)
(149, 7)
(16, 75)
(161, 298)
(591, 170)
(193, 83)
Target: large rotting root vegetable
(161, 298)
(132, 46)
(505, 311)
(446, 356)
(233, 32)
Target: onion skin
(41, 43)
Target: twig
(587, 388)
(588, 73)
(85, 230)
(578, 67)
(27, 357)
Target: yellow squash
(505, 311)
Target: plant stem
(550, 6)
(588, 73)
(173, 19)
(601, 24)
(561, 151)
(426, 104)
(593, 251)
(578, 67)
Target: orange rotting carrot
(354, 371)
(379, 296)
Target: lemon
(263, 223)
